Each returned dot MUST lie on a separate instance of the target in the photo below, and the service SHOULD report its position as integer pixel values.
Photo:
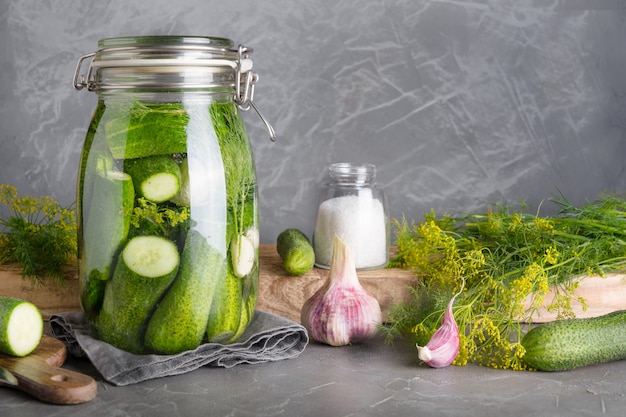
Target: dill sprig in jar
(355, 209)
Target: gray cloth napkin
(268, 338)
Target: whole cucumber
(144, 271)
(567, 344)
(296, 251)
(180, 319)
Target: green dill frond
(40, 235)
(508, 258)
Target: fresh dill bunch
(509, 260)
(39, 234)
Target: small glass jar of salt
(355, 209)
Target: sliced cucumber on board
(21, 326)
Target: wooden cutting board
(39, 374)
(284, 295)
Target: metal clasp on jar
(80, 80)
(244, 96)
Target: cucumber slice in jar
(150, 256)
(157, 178)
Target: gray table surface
(367, 379)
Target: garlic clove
(443, 347)
(341, 311)
(243, 255)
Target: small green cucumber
(21, 326)
(248, 307)
(104, 233)
(145, 269)
(180, 320)
(572, 343)
(225, 316)
(108, 220)
(157, 178)
(296, 251)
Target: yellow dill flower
(551, 256)
(436, 255)
(475, 260)
(541, 284)
(467, 347)
(516, 222)
(519, 289)
(562, 303)
(482, 330)
(517, 362)
(543, 224)
(49, 207)
(8, 194)
(421, 332)
(492, 225)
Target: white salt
(358, 220)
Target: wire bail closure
(244, 97)
(245, 78)
(80, 81)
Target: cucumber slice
(151, 256)
(146, 268)
(157, 178)
(21, 326)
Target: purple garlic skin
(443, 347)
(341, 311)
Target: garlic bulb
(341, 311)
(443, 347)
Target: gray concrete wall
(458, 103)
